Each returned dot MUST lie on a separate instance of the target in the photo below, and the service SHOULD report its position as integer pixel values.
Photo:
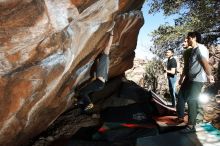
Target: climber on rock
(101, 71)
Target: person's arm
(203, 56)
(106, 52)
(207, 69)
(182, 77)
(172, 71)
(108, 47)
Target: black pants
(189, 92)
(84, 92)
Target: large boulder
(211, 110)
(47, 48)
(137, 72)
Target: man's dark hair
(195, 34)
(170, 50)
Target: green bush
(154, 74)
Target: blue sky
(151, 22)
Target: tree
(199, 15)
(154, 75)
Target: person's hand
(211, 79)
(165, 70)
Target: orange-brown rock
(46, 50)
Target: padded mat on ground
(124, 131)
(206, 135)
(134, 113)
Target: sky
(151, 22)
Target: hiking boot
(89, 107)
(178, 120)
(188, 129)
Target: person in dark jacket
(101, 72)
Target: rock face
(149, 74)
(137, 72)
(118, 95)
(47, 48)
(211, 110)
(215, 59)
